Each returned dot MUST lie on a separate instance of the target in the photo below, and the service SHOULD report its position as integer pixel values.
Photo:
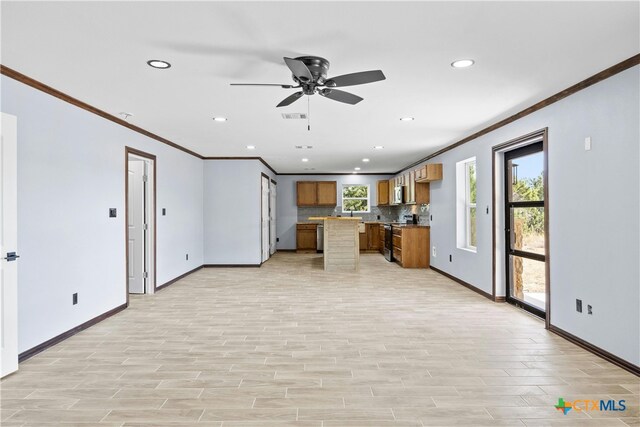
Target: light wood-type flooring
(289, 344)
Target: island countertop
(324, 218)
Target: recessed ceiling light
(378, 147)
(462, 63)
(220, 119)
(251, 147)
(357, 169)
(365, 160)
(305, 160)
(407, 119)
(156, 63)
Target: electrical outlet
(277, 239)
(587, 143)
(75, 299)
(450, 258)
(187, 257)
(579, 305)
(589, 309)
(433, 252)
(164, 211)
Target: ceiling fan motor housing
(318, 66)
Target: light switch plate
(587, 143)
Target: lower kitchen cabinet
(411, 246)
(370, 239)
(306, 238)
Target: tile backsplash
(378, 213)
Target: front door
(525, 228)
(8, 246)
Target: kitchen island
(341, 242)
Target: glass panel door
(525, 230)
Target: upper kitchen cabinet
(317, 193)
(383, 193)
(429, 172)
(410, 188)
(307, 193)
(422, 193)
(327, 193)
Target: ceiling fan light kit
(310, 75)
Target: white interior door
(265, 218)
(272, 218)
(135, 224)
(8, 246)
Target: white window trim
(368, 198)
(463, 205)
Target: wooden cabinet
(306, 238)
(410, 188)
(316, 193)
(370, 239)
(411, 246)
(373, 237)
(307, 193)
(383, 193)
(422, 193)
(429, 172)
(363, 241)
(392, 183)
(327, 193)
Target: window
(355, 198)
(470, 208)
(467, 236)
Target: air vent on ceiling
(290, 116)
(304, 147)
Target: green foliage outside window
(355, 198)
(529, 189)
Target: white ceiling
(524, 52)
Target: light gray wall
(594, 210)
(232, 211)
(71, 169)
(287, 214)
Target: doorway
(8, 245)
(265, 218)
(525, 228)
(140, 219)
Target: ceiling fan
(310, 75)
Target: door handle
(11, 256)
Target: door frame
(498, 201)
(9, 188)
(152, 237)
(265, 176)
(273, 184)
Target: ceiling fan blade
(263, 84)
(353, 79)
(299, 69)
(340, 96)
(290, 99)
